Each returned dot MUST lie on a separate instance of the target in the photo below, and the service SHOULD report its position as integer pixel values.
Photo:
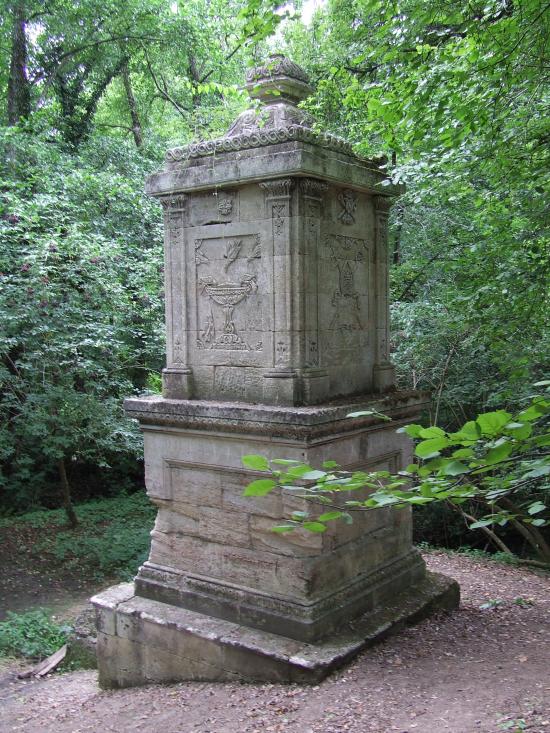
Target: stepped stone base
(142, 641)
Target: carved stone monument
(277, 326)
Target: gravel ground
(478, 669)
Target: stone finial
(279, 79)
(279, 85)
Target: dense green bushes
(33, 634)
(82, 311)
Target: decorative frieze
(258, 140)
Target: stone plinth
(286, 606)
(277, 328)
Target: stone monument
(277, 327)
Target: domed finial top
(278, 79)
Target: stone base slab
(302, 621)
(141, 641)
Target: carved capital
(173, 204)
(277, 188)
(313, 187)
(382, 204)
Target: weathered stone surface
(277, 328)
(82, 640)
(162, 643)
(276, 261)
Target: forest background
(453, 96)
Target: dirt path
(473, 671)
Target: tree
(81, 306)
(19, 101)
(454, 96)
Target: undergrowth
(111, 540)
(501, 557)
(33, 634)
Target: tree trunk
(132, 106)
(532, 534)
(19, 97)
(66, 493)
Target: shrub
(33, 634)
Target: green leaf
(539, 522)
(433, 432)
(536, 410)
(284, 528)
(313, 475)
(330, 464)
(481, 523)
(519, 431)
(328, 516)
(537, 507)
(454, 468)
(469, 432)
(299, 470)
(498, 453)
(413, 431)
(261, 487)
(542, 440)
(463, 453)
(428, 447)
(315, 527)
(491, 423)
(257, 463)
(369, 413)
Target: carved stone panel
(228, 295)
(344, 299)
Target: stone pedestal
(277, 325)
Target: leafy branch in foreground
(499, 461)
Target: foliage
(81, 309)
(140, 68)
(111, 541)
(33, 634)
(453, 95)
(500, 460)
(114, 539)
